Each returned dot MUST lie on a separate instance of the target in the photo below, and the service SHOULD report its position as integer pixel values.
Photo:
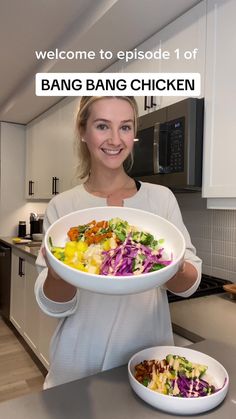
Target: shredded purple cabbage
(193, 387)
(130, 258)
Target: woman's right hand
(55, 288)
(50, 269)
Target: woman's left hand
(184, 279)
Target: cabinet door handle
(146, 106)
(31, 191)
(152, 102)
(55, 185)
(145, 103)
(20, 267)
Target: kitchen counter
(109, 395)
(212, 317)
(32, 249)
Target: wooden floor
(19, 375)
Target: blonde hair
(83, 155)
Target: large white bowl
(161, 229)
(178, 405)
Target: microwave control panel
(176, 139)
(171, 146)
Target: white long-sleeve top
(96, 331)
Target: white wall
(13, 206)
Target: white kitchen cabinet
(186, 33)
(180, 38)
(47, 327)
(17, 306)
(24, 311)
(219, 168)
(50, 157)
(12, 177)
(133, 66)
(144, 66)
(35, 327)
(31, 312)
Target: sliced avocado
(185, 367)
(136, 236)
(146, 238)
(121, 235)
(170, 358)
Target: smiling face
(109, 132)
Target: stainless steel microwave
(169, 143)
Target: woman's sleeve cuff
(194, 287)
(50, 307)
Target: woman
(98, 332)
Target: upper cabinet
(219, 166)
(145, 104)
(51, 160)
(185, 40)
(12, 177)
(199, 41)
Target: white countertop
(30, 249)
(212, 317)
(108, 395)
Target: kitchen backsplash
(213, 233)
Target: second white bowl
(180, 405)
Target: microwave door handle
(156, 149)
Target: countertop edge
(187, 334)
(30, 251)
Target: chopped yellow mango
(82, 246)
(106, 245)
(70, 248)
(77, 265)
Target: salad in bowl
(114, 250)
(112, 247)
(178, 380)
